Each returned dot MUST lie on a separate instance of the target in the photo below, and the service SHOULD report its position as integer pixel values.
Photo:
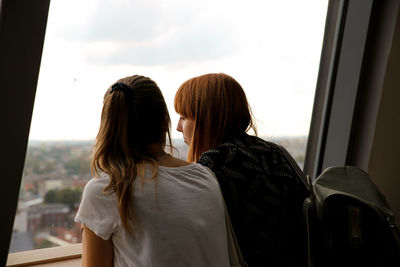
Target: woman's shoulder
(244, 144)
(95, 186)
(256, 143)
(246, 151)
(101, 180)
(191, 168)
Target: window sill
(64, 256)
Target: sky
(272, 48)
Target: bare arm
(97, 252)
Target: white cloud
(271, 47)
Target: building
(45, 217)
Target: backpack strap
(396, 235)
(307, 209)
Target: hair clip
(121, 87)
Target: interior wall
(384, 163)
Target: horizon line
(173, 138)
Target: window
(22, 24)
(270, 47)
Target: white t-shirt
(179, 216)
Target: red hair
(218, 105)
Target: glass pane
(272, 48)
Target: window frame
(63, 254)
(337, 94)
(22, 30)
(356, 52)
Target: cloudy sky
(272, 48)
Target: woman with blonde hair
(145, 207)
(262, 194)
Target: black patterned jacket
(264, 198)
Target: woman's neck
(163, 158)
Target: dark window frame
(340, 74)
(22, 29)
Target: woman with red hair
(262, 193)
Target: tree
(50, 197)
(66, 196)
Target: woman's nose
(179, 126)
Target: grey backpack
(349, 222)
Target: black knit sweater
(264, 197)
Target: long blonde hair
(134, 116)
(218, 105)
